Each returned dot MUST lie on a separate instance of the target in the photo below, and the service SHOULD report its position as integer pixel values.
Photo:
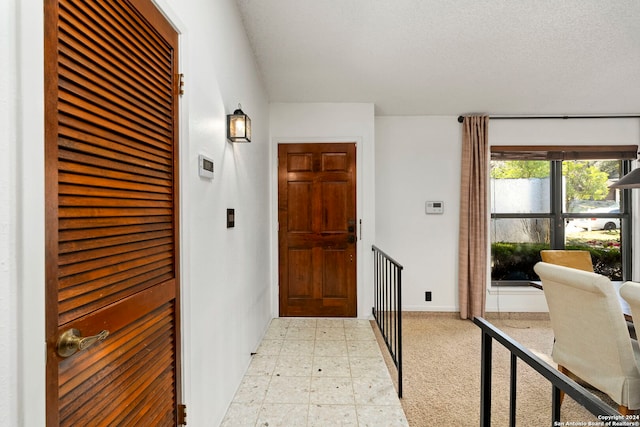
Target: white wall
(27, 202)
(418, 159)
(327, 122)
(8, 219)
(226, 273)
(564, 132)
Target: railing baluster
(485, 382)
(555, 405)
(386, 299)
(512, 399)
(399, 351)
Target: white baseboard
(430, 308)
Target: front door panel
(316, 213)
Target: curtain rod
(461, 118)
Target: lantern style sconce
(238, 126)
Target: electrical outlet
(427, 296)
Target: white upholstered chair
(591, 337)
(579, 259)
(630, 291)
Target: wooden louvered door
(111, 214)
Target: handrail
(558, 380)
(387, 309)
(393, 261)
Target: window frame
(556, 156)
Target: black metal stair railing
(559, 381)
(387, 309)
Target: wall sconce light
(238, 126)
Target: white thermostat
(434, 207)
(205, 167)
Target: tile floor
(317, 373)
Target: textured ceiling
(450, 57)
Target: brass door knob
(71, 341)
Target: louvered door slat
(144, 41)
(83, 304)
(104, 64)
(84, 62)
(113, 202)
(81, 236)
(123, 279)
(156, 160)
(104, 84)
(144, 257)
(129, 361)
(128, 366)
(145, 46)
(78, 89)
(76, 246)
(113, 36)
(147, 408)
(147, 376)
(76, 262)
(104, 367)
(125, 367)
(141, 381)
(74, 32)
(96, 96)
(149, 41)
(92, 132)
(94, 113)
(148, 404)
(112, 212)
(120, 153)
(113, 193)
(107, 286)
(91, 225)
(84, 260)
(83, 164)
(94, 181)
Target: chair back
(630, 291)
(568, 258)
(591, 336)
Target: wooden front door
(317, 229)
(112, 290)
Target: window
(545, 198)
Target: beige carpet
(441, 366)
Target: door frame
(361, 293)
(29, 288)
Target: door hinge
(180, 84)
(182, 415)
